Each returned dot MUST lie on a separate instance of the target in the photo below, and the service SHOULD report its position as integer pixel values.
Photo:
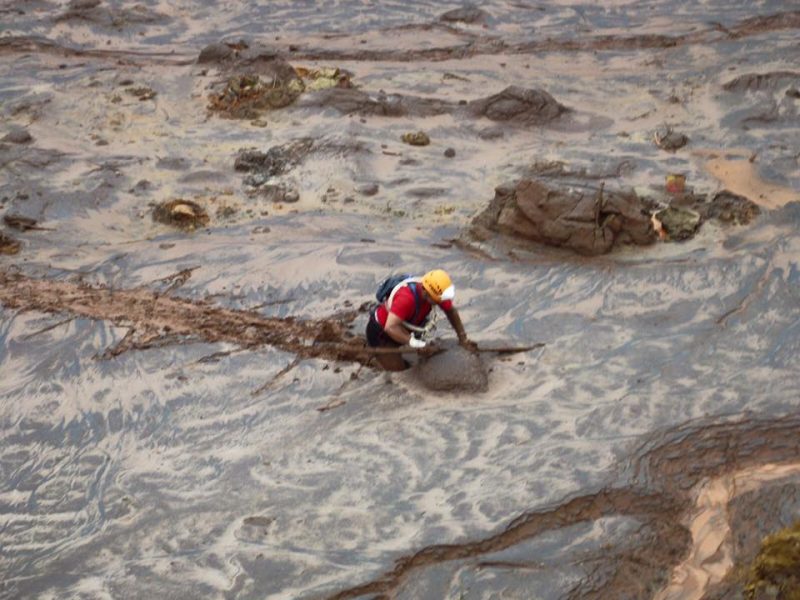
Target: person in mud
(402, 314)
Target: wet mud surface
(198, 202)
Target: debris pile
(418, 138)
(245, 96)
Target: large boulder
(454, 370)
(587, 221)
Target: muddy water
(194, 462)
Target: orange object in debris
(676, 183)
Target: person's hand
(431, 348)
(416, 343)
(468, 344)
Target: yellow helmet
(438, 285)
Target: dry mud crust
(589, 221)
(657, 486)
(490, 45)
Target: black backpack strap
(415, 292)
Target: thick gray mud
(178, 415)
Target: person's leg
(376, 338)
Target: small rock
(18, 135)
(793, 92)
(450, 152)
(678, 223)
(213, 53)
(669, 140)
(419, 138)
(278, 193)
(142, 186)
(176, 163)
(368, 189)
(732, 208)
(259, 521)
(180, 213)
(142, 92)
(491, 133)
(8, 245)
(466, 14)
(225, 212)
(19, 222)
(256, 179)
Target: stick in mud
(438, 349)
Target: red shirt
(403, 305)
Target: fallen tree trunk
(155, 319)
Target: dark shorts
(376, 336)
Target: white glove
(416, 342)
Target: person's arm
(458, 326)
(395, 330)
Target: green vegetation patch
(776, 569)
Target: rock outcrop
(587, 221)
